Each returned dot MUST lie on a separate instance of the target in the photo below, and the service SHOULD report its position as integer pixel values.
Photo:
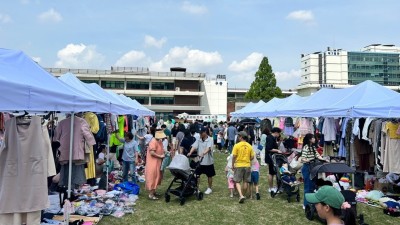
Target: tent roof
(142, 110)
(249, 105)
(71, 80)
(27, 86)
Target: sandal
(153, 197)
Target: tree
(264, 86)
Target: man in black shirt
(271, 147)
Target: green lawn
(219, 208)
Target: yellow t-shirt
(392, 129)
(243, 152)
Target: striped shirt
(309, 153)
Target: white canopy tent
(142, 111)
(115, 108)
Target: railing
(129, 69)
(78, 71)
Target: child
(229, 175)
(287, 175)
(255, 175)
(219, 140)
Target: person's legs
(125, 170)
(305, 171)
(132, 169)
(210, 182)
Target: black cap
(203, 129)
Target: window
(112, 84)
(162, 86)
(141, 99)
(90, 81)
(137, 85)
(231, 95)
(162, 100)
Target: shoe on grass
(258, 196)
(241, 200)
(208, 191)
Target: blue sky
(214, 37)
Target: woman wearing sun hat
(154, 158)
(330, 205)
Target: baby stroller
(186, 177)
(290, 190)
(338, 170)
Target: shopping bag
(296, 163)
(128, 187)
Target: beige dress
(26, 161)
(153, 175)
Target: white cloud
(4, 18)
(79, 56)
(193, 59)
(305, 16)
(287, 80)
(37, 59)
(150, 41)
(188, 7)
(133, 58)
(50, 16)
(251, 62)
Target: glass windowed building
(337, 68)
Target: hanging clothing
(25, 163)
(329, 129)
(342, 147)
(93, 121)
(121, 124)
(81, 133)
(366, 128)
(391, 156)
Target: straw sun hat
(160, 134)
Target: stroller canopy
(180, 162)
(331, 168)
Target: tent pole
(71, 142)
(107, 158)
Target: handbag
(296, 163)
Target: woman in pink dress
(154, 158)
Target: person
(263, 139)
(179, 137)
(187, 142)
(129, 156)
(203, 146)
(231, 132)
(242, 154)
(155, 156)
(271, 147)
(255, 177)
(331, 206)
(101, 160)
(219, 140)
(229, 175)
(174, 132)
(215, 136)
(286, 175)
(308, 153)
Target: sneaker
(304, 207)
(231, 195)
(208, 191)
(241, 200)
(258, 196)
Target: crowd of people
(163, 141)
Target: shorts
(255, 176)
(271, 169)
(208, 170)
(242, 173)
(231, 183)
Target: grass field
(219, 208)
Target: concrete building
(337, 68)
(166, 93)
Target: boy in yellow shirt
(243, 154)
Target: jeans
(230, 145)
(129, 166)
(309, 185)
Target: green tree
(264, 86)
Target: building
(337, 68)
(166, 93)
(237, 101)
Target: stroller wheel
(182, 200)
(200, 195)
(298, 198)
(167, 197)
(309, 211)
